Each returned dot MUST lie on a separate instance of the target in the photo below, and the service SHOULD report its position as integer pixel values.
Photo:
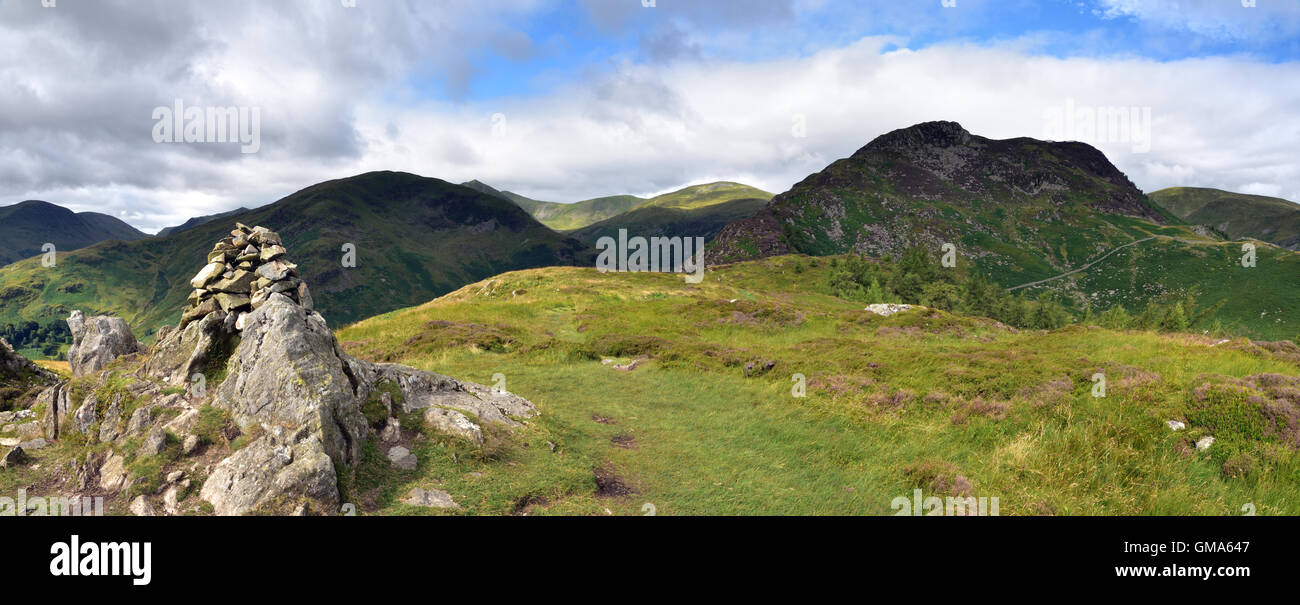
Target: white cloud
(334, 88)
(1224, 19)
(1214, 122)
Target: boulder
(189, 350)
(113, 474)
(154, 442)
(402, 458)
(422, 390)
(430, 498)
(97, 341)
(289, 371)
(13, 457)
(272, 469)
(140, 507)
(451, 422)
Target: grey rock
(230, 302)
(139, 420)
(113, 474)
(276, 270)
(289, 371)
(154, 442)
(272, 252)
(140, 507)
(402, 458)
(208, 273)
(188, 350)
(184, 423)
(57, 409)
(13, 457)
(255, 476)
(38, 443)
(422, 390)
(1175, 425)
(110, 429)
(1204, 443)
(304, 296)
(392, 431)
(453, 423)
(190, 445)
(431, 498)
(13, 364)
(171, 500)
(97, 341)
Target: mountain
(569, 217)
(649, 221)
(1035, 216)
(27, 226)
(1236, 215)
(200, 220)
(415, 238)
(1025, 208)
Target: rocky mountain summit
(249, 405)
(1007, 203)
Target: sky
(569, 100)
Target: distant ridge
(578, 215)
(200, 220)
(415, 238)
(26, 226)
(1236, 215)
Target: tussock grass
(717, 430)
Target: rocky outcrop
(277, 376)
(15, 367)
(289, 383)
(289, 371)
(97, 341)
(20, 379)
(932, 183)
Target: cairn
(243, 271)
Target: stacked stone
(243, 271)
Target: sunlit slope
(656, 392)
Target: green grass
(703, 428)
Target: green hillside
(676, 396)
(1236, 215)
(672, 221)
(1021, 211)
(415, 238)
(569, 217)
